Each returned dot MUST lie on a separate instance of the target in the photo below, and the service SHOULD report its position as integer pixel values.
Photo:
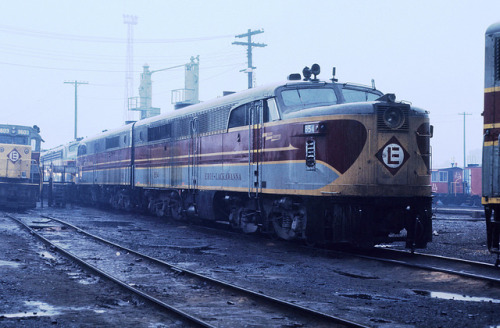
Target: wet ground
(40, 288)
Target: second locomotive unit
(325, 162)
(19, 166)
(491, 146)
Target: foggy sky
(430, 53)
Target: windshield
(356, 95)
(298, 99)
(17, 140)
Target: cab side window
(270, 110)
(239, 117)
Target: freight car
(456, 186)
(324, 162)
(19, 169)
(491, 132)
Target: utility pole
(130, 20)
(464, 114)
(249, 45)
(76, 83)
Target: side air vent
(393, 118)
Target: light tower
(130, 20)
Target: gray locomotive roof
(112, 132)
(236, 99)
(233, 100)
(493, 28)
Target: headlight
(394, 118)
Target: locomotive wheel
(160, 208)
(243, 220)
(176, 209)
(286, 224)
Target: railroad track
(464, 268)
(200, 300)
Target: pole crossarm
(249, 33)
(250, 44)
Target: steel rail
(103, 274)
(444, 258)
(282, 303)
(411, 258)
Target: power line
(65, 69)
(81, 38)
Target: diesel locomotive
(19, 166)
(320, 161)
(324, 162)
(491, 132)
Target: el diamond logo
(393, 155)
(14, 156)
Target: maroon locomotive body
(321, 161)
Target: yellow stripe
(490, 143)
(489, 90)
(238, 152)
(492, 126)
(490, 200)
(166, 167)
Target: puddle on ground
(37, 309)
(455, 297)
(186, 264)
(47, 228)
(9, 263)
(358, 296)
(83, 279)
(47, 255)
(41, 309)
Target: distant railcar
(19, 166)
(456, 186)
(325, 162)
(59, 172)
(491, 132)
